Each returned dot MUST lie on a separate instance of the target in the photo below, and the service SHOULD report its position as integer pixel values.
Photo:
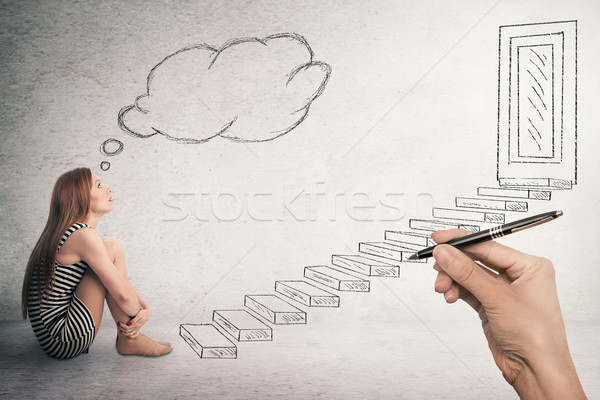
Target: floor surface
(408, 360)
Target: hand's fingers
(465, 272)
(492, 254)
(126, 330)
(450, 291)
(449, 234)
(453, 293)
(442, 282)
(133, 324)
(497, 256)
(468, 298)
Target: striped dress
(62, 323)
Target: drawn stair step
(465, 215)
(517, 193)
(541, 183)
(434, 225)
(366, 266)
(335, 279)
(387, 250)
(207, 341)
(274, 310)
(409, 239)
(491, 204)
(307, 294)
(242, 325)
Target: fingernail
(442, 255)
(437, 280)
(447, 295)
(129, 323)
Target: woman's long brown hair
(70, 203)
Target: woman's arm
(89, 247)
(132, 328)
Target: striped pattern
(496, 232)
(62, 323)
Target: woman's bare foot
(157, 341)
(141, 346)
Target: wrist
(549, 380)
(526, 384)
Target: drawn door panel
(537, 130)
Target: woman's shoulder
(79, 242)
(88, 236)
(82, 239)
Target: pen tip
(413, 257)
(559, 213)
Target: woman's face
(100, 198)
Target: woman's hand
(132, 328)
(515, 297)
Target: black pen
(492, 233)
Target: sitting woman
(71, 271)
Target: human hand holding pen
(517, 302)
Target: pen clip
(541, 221)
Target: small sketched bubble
(114, 152)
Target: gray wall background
(408, 119)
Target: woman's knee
(113, 247)
(116, 254)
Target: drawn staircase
(530, 167)
(350, 273)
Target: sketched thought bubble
(248, 90)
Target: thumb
(465, 272)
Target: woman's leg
(92, 293)
(117, 255)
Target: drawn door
(537, 122)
